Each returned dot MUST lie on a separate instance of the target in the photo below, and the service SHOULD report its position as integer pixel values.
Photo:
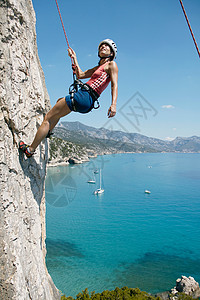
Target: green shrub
(124, 293)
(182, 296)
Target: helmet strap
(101, 58)
(108, 56)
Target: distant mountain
(109, 140)
(97, 144)
(190, 144)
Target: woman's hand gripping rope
(72, 54)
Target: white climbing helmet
(111, 44)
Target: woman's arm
(79, 73)
(112, 70)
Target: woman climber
(83, 99)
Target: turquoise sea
(124, 237)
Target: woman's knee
(55, 110)
(46, 120)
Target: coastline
(68, 161)
(82, 159)
(63, 152)
(77, 160)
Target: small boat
(91, 181)
(96, 171)
(147, 192)
(100, 190)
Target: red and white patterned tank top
(99, 80)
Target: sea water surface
(124, 237)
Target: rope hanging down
(189, 27)
(77, 83)
(64, 29)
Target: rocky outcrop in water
(23, 102)
(188, 286)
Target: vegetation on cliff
(61, 149)
(124, 293)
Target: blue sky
(159, 68)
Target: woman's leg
(60, 109)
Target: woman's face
(104, 50)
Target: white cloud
(168, 138)
(50, 66)
(168, 106)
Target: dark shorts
(82, 100)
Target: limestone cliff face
(23, 102)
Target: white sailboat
(100, 190)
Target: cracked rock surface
(23, 103)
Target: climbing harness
(84, 86)
(189, 27)
(77, 83)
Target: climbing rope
(75, 85)
(64, 33)
(189, 27)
